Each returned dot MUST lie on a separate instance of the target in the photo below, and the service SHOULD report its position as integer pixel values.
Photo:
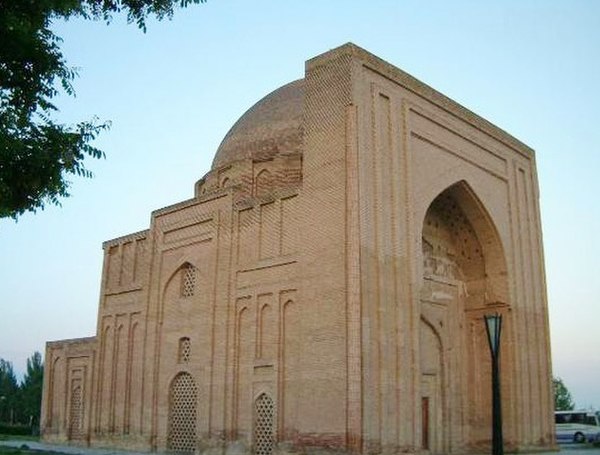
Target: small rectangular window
(188, 280)
(185, 350)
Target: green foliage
(15, 430)
(37, 153)
(20, 404)
(9, 392)
(563, 401)
(31, 390)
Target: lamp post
(493, 327)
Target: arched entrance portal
(183, 397)
(464, 277)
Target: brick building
(324, 288)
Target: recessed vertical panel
(243, 374)
(269, 230)
(289, 225)
(114, 266)
(120, 375)
(267, 328)
(134, 405)
(290, 372)
(247, 236)
(140, 258)
(105, 380)
(128, 263)
(385, 236)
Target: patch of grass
(18, 437)
(10, 451)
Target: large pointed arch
(487, 233)
(463, 276)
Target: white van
(577, 426)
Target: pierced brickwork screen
(264, 412)
(181, 437)
(188, 280)
(185, 350)
(76, 414)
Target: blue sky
(530, 67)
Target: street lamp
(493, 327)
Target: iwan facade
(324, 289)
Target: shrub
(17, 430)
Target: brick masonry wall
(332, 297)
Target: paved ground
(576, 449)
(566, 449)
(72, 450)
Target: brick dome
(271, 127)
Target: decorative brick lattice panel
(182, 414)
(76, 414)
(188, 280)
(263, 425)
(185, 350)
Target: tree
(563, 401)
(37, 153)
(31, 389)
(9, 390)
